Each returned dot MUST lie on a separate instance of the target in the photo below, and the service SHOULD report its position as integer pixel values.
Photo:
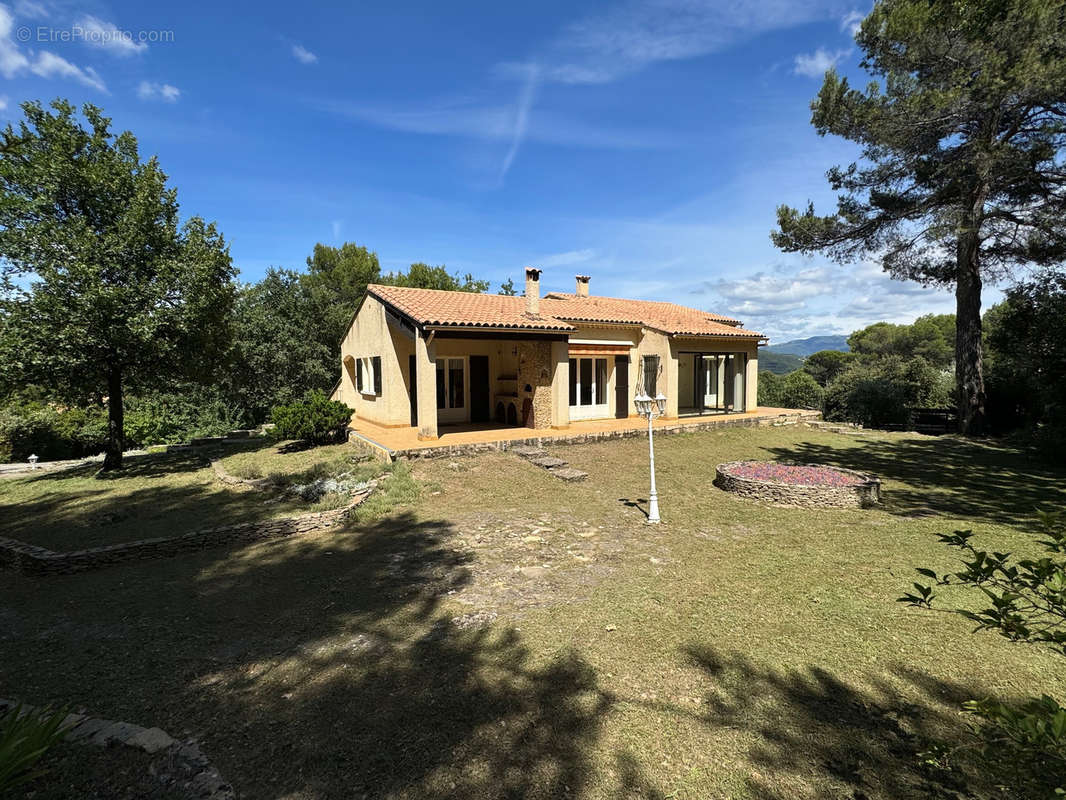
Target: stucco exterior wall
(371, 335)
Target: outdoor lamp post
(651, 408)
(33, 461)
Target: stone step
(568, 474)
(548, 462)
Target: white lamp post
(649, 408)
(33, 461)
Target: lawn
(163, 494)
(501, 633)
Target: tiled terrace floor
(455, 439)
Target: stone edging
(561, 438)
(863, 495)
(260, 484)
(32, 560)
(198, 777)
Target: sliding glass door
(588, 388)
(451, 390)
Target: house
(429, 358)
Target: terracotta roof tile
(467, 309)
(557, 311)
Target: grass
(163, 494)
(490, 631)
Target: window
(368, 375)
(588, 382)
(651, 375)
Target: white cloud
(303, 55)
(28, 8)
(150, 90)
(563, 259)
(49, 65)
(607, 46)
(336, 228)
(814, 65)
(43, 63)
(4, 100)
(852, 21)
(107, 36)
(521, 124)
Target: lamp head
(660, 401)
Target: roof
(465, 309)
(558, 310)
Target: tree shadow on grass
(946, 475)
(819, 736)
(321, 666)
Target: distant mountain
(804, 347)
(778, 363)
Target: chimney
(532, 291)
(582, 285)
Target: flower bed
(809, 485)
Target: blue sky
(646, 144)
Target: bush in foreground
(315, 419)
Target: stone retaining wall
(32, 560)
(863, 495)
(561, 438)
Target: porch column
(560, 371)
(426, 385)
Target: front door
(479, 388)
(452, 389)
(621, 386)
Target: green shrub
(24, 738)
(316, 418)
(169, 418)
(882, 392)
(800, 390)
(50, 431)
(769, 390)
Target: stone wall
(640, 431)
(535, 371)
(863, 495)
(31, 560)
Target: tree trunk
(115, 421)
(969, 377)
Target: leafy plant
(1026, 603)
(315, 419)
(24, 738)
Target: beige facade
(431, 376)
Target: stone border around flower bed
(32, 560)
(863, 495)
(198, 778)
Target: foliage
(1027, 365)
(25, 736)
(825, 365)
(1026, 603)
(50, 431)
(278, 352)
(113, 292)
(960, 178)
(423, 276)
(181, 415)
(769, 389)
(315, 419)
(335, 284)
(800, 390)
(881, 392)
(932, 337)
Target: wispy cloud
(563, 259)
(852, 21)
(303, 55)
(44, 64)
(815, 65)
(498, 122)
(604, 47)
(4, 100)
(30, 9)
(521, 122)
(150, 90)
(336, 226)
(109, 37)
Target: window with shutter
(651, 374)
(376, 362)
(359, 374)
